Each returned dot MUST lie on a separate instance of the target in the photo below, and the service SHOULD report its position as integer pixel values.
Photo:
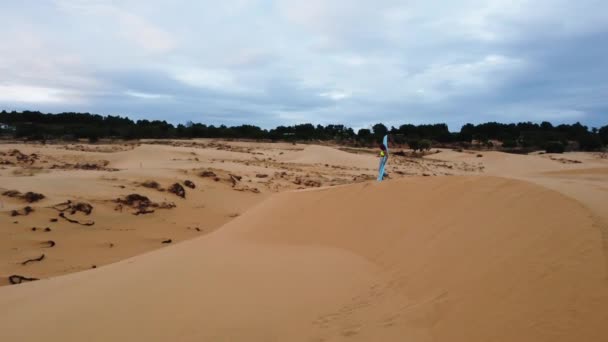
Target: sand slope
(314, 154)
(416, 259)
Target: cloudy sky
(269, 62)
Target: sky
(284, 62)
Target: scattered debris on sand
(141, 204)
(307, 182)
(246, 188)
(23, 212)
(234, 179)
(86, 223)
(101, 149)
(363, 178)
(49, 244)
(190, 184)
(207, 174)
(101, 165)
(565, 161)
(16, 157)
(18, 279)
(151, 184)
(167, 241)
(27, 171)
(74, 207)
(178, 190)
(29, 197)
(32, 197)
(40, 258)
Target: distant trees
(422, 144)
(590, 142)
(532, 135)
(379, 131)
(365, 136)
(436, 132)
(603, 133)
(515, 136)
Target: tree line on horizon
(33, 125)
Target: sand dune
(314, 154)
(414, 259)
(246, 173)
(514, 165)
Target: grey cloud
(288, 61)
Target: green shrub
(555, 147)
(424, 144)
(509, 143)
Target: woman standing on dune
(383, 157)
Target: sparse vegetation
(208, 174)
(23, 212)
(424, 144)
(555, 147)
(18, 279)
(74, 207)
(178, 190)
(29, 196)
(151, 184)
(141, 204)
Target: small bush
(178, 190)
(590, 142)
(29, 196)
(208, 174)
(424, 144)
(555, 147)
(413, 144)
(509, 144)
(151, 184)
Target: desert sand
(282, 242)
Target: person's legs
(381, 168)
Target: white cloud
(206, 78)
(32, 94)
(336, 95)
(146, 96)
